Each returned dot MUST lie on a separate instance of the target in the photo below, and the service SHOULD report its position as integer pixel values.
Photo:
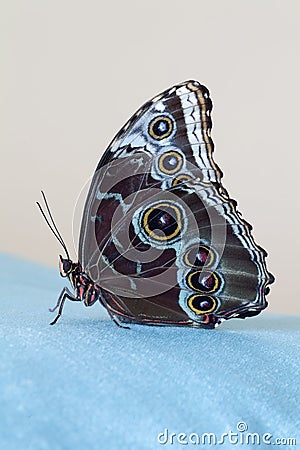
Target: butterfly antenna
(52, 224)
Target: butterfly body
(161, 241)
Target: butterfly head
(66, 266)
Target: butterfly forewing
(160, 235)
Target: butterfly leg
(115, 320)
(65, 293)
(112, 316)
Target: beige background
(73, 72)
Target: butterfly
(161, 241)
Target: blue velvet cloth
(86, 384)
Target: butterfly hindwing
(160, 235)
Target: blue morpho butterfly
(161, 241)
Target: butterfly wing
(159, 234)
